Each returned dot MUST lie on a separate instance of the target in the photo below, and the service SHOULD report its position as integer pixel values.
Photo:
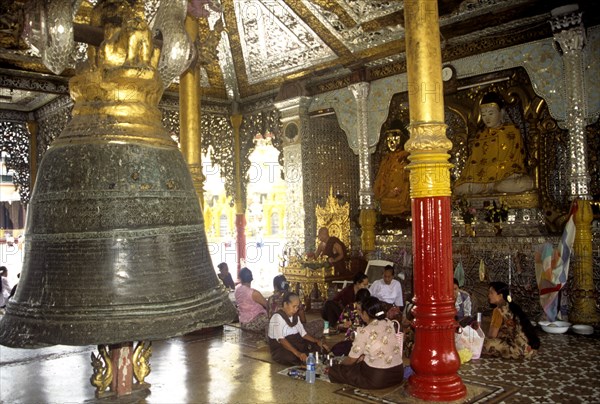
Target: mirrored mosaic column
(295, 120)
(569, 33)
(434, 358)
(360, 91)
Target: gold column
(33, 130)
(189, 115)
(583, 310)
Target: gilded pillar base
(583, 310)
(367, 220)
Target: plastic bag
(470, 339)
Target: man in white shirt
(388, 289)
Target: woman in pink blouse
(375, 360)
(252, 306)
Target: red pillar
(434, 358)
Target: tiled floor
(210, 367)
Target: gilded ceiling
(248, 48)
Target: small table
(305, 278)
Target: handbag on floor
(399, 334)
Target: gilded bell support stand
(114, 365)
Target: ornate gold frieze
(336, 84)
(428, 137)
(429, 175)
(495, 42)
(381, 72)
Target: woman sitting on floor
(349, 321)
(511, 334)
(375, 360)
(288, 340)
(275, 302)
(334, 307)
(252, 306)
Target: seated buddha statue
(392, 186)
(496, 159)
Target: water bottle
(311, 368)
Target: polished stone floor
(215, 367)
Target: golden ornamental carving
(429, 175)
(334, 84)
(427, 137)
(103, 372)
(381, 72)
(198, 176)
(298, 270)
(141, 361)
(208, 41)
(117, 92)
(304, 275)
(528, 200)
(335, 217)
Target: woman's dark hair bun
(374, 308)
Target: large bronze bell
(115, 245)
